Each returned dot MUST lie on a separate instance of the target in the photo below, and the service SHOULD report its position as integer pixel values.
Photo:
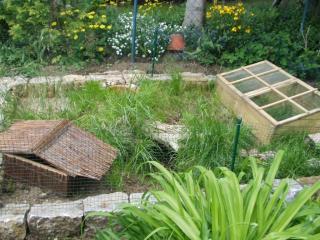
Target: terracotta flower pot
(177, 43)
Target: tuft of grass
(211, 131)
(297, 153)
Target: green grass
(120, 118)
(297, 152)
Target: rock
(50, 220)
(107, 79)
(194, 77)
(43, 195)
(167, 134)
(73, 78)
(130, 87)
(112, 73)
(135, 198)
(13, 221)
(211, 78)
(294, 187)
(160, 77)
(313, 163)
(264, 156)
(308, 181)
(314, 139)
(46, 80)
(105, 203)
(133, 76)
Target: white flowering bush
(146, 26)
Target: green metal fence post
(155, 50)
(134, 31)
(236, 143)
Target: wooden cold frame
(272, 80)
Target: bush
(237, 35)
(146, 26)
(203, 205)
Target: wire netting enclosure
(54, 155)
(270, 100)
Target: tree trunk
(194, 16)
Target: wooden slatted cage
(270, 100)
(54, 155)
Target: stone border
(65, 219)
(109, 78)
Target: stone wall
(75, 219)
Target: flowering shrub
(146, 25)
(79, 32)
(229, 18)
(84, 31)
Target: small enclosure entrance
(270, 100)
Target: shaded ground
(168, 64)
(23, 193)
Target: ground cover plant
(206, 204)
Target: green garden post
(236, 143)
(134, 31)
(155, 49)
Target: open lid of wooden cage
(60, 144)
(276, 94)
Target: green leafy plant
(202, 204)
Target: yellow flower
(100, 49)
(239, 27)
(90, 17)
(234, 29)
(81, 48)
(75, 37)
(248, 30)
(96, 26)
(83, 29)
(104, 16)
(53, 24)
(102, 26)
(109, 27)
(236, 18)
(91, 26)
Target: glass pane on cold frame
(249, 85)
(236, 75)
(274, 77)
(309, 101)
(260, 68)
(292, 89)
(266, 98)
(283, 110)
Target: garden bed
(122, 117)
